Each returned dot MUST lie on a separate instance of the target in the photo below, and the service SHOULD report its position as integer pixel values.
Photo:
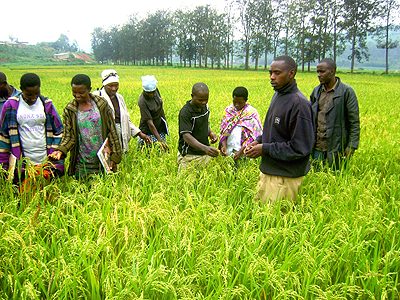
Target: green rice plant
(150, 232)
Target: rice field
(149, 232)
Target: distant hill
(20, 53)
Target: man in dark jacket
(336, 116)
(287, 138)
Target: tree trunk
(387, 43)
(246, 61)
(353, 51)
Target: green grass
(149, 232)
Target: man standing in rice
(194, 129)
(126, 129)
(336, 115)
(6, 90)
(287, 138)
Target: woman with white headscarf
(125, 127)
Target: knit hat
(109, 76)
(149, 83)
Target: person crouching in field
(240, 125)
(287, 139)
(31, 129)
(152, 116)
(88, 121)
(125, 128)
(194, 129)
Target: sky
(44, 20)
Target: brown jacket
(70, 141)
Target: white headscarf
(109, 76)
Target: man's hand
(56, 155)
(211, 151)
(253, 150)
(213, 137)
(112, 165)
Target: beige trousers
(272, 189)
(188, 159)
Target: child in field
(240, 125)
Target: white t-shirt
(31, 121)
(233, 141)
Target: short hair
(29, 80)
(240, 91)
(3, 77)
(81, 79)
(330, 62)
(200, 87)
(289, 62)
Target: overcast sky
(44, 20)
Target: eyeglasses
(109, 75)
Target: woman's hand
(145, 138)
(56, 155)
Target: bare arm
(211, 151)
(154, 131)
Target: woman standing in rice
(152, 121)
(126, 129)
(88, 121)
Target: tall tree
(263, 14)
(228, 38)
(389, 9)
(101, 44)
(247, 25)
(358, 17)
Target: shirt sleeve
(5, 144)
(185, 123)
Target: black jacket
(287, 138)
(342, 120)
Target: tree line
(251, 29)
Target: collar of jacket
(289, 88)
(100, 102)
(338, 90)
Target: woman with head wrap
(88, 121)
(126, 129)
(153, 121)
